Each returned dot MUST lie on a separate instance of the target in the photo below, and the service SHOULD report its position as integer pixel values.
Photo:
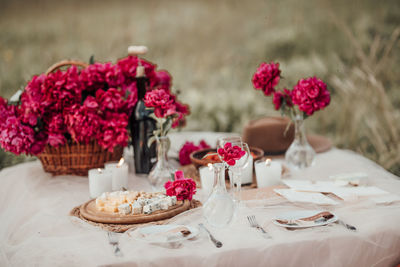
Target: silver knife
(217, 243)
(348, 226)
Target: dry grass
(367, 120)
(213, 47)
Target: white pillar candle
(247, 172)
(268, 173)
(120, 174)
(207, 179)
(100, 181)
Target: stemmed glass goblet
(235, 155)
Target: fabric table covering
(36, 229)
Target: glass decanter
(219, 208)
(163, 171)
(300, 154)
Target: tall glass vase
(300, 154)
(163, 171)
(219, 208)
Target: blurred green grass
(212, 48)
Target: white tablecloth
(35, 229)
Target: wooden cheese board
(90, 212)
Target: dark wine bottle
(142, 127)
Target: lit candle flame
(210, 167)
(99, 170)
(121, 162)
(268, 162)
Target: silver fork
(113, 240)
(253, 223)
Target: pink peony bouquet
(187, 149)
(93, 104)
(168, 111)
(309, 95)
(183, 188)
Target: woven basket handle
(66, 63)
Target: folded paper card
(305, 197)
(347, 193)
(386, 199)
(311, 186)
(350, 193)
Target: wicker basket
(74, 158)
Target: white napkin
(386, 199)
(348, 193)
(309, 186)
(315, 198)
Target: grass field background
(212, 48)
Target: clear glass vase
(300, 154)
(219, 208)
(163, 171)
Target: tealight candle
(268, 173)
(100, 181)
(207, 179)
(247, 173)
(120, 174)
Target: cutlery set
(113, 238)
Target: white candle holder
(207, 179)
(120, 174)
(100, 181)
(268, 173)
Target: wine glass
(236, 167)
(228, 139)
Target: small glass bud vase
(219, 208)
(300, 154)
(163, 171)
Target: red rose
(267, 77)
(183, 188)
(310, 95)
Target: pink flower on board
(183, 188)
(230, 154)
